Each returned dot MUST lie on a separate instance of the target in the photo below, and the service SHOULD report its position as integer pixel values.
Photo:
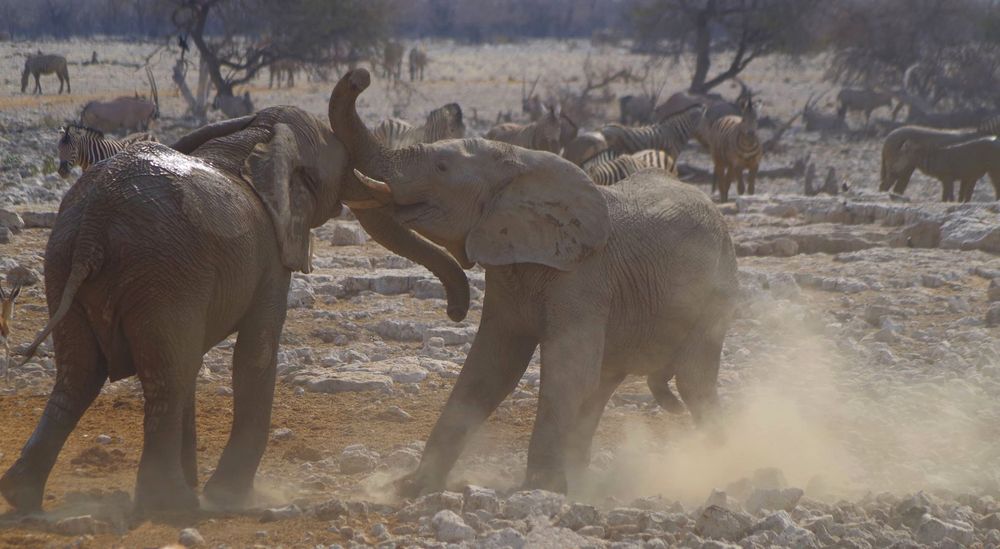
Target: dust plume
(832, 418)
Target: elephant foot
(415, 485)
(226, 495)
(164, 495)
(21, 490)
(552, 480)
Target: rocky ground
(861, 379)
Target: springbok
(6, 315)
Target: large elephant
(156, 256)
(638, 278)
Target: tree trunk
(197, 110)
(222, 87)
(702, 47)
(204, 84)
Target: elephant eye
(441, 167)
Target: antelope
(541, 135)
(6, 315)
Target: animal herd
(583, 236)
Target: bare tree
(238, 38)
(745, 29)
(932, 53)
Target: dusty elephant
(639, 278)
(157, 256)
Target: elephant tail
(87, 258)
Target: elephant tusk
(363, 204)
(380, 191)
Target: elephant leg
(255, 361)
(189, 443)
(495, 363)
(697, 379)
(571, 370)
(82, 371)
(659, 385)
(580, 439)
(168, 355)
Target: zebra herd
(607, 156)
(614, 152)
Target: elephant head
(298, 168)
(486, 202)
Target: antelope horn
(380, 190)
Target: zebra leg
(724, 182)
(740, 187)
(720, 171)
(752, 176)
(38, 85)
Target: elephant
(160, 253)
(637, 278)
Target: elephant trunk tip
(457, 313)
(360, 79)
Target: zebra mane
(87, 129)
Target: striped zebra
(735, 146)
(670, 135)
(604, 171)
(541, 135)
(87, 146)
(990, 126)
(443, 123)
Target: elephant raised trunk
(371, 204)
(365, 151)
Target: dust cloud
(829, 416)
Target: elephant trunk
(371, 157)
(366, 152)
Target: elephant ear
(274, 171)
(552, 215)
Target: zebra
(990, 126)
(735, 146)
(606, 170)
(36, 65)
(442, 123)
(541, 135)
(86, 146)
(670, 135)
(418, 61)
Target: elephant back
(229, 152)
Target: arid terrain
(860, 380)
